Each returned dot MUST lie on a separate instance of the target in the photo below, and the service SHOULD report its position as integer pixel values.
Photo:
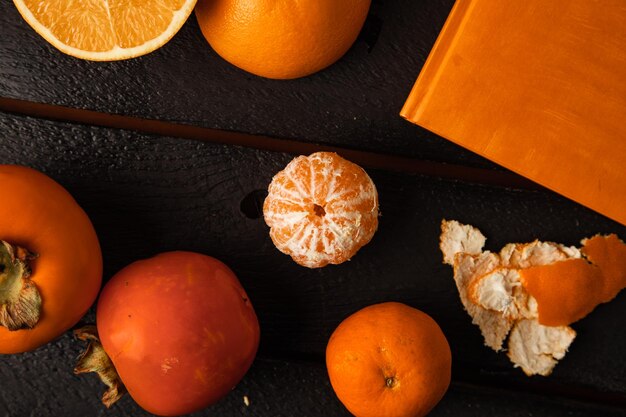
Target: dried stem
(20, 301)
(95, 359)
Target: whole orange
(389, 360)
(281, 38)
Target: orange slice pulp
(106, 30)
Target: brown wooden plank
(148, 194)
(42, 384)
(354, 103)
(363, 158)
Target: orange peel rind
(532, 292)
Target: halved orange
(106, 30)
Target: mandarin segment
(321, 209)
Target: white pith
(317, 240)
(491, 292)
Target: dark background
(157, 190)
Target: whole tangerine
(389, 360)
(321, 209)
(281, 39)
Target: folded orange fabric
(537, 87)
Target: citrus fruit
(106, 30)
(321, 209)
(389, 360)
(281, 38)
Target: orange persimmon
(50, 260)
(177, 330)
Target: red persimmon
(179, 329)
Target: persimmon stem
(20, 301)
(95, 359)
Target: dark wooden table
(173, 151)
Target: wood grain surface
(150, 189)
(147, 194)
(276, 388)
(354, 103)
(367, 159)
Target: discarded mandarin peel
(565, 291)
(527, 294)
(609, 253)
(569, 290)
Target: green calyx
(20, 301)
